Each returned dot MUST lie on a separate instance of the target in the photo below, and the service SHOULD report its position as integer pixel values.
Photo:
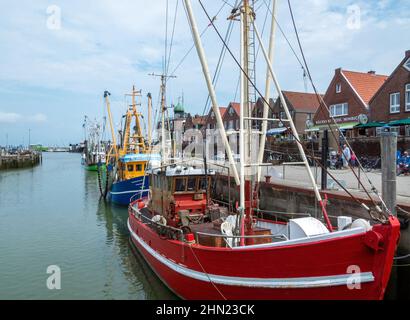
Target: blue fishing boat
(133, 182)
(129, 162)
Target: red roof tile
(365, 84)
(307, 102)
(222, 110)
(237, 107)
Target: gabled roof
(303, 102)
(365, 84)
(223, 110)
(199, 120)
(237, 107)
(401, 65)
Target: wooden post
(389, 176)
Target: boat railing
(280, 237)
(305, 214)
(139, 195)
(264, 236)
(139, 215)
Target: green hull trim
(94, 167)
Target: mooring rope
(207, 275)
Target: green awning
(348, 125)
(402, 122)
(342, 126)
(371, 125)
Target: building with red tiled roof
(302, 106)
(391, 103)
(210, 119)
(348, 97)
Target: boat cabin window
(191, 184)
(138, 167)
(180, 185)
(130, 168)
(202, 184)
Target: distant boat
(94, 154)
(129, 163)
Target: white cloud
(37, 118)
(108, 45)
(12, 118)
(6, 117)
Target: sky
(58, 57)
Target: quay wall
(20, 161)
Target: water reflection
(53, 215)
(134, 267)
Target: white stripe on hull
(285, 283)
(132, 191)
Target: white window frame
(231, 125)
(407, 131)
(338, 88)
(345, 110)
(395, 105)
(379, 130)
(407, 64)
(407, 95)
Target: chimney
(407, 53)
(339, 70)
(372, 72)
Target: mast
(149, 120)
(114, 140)
(267, 90)
(242, 151)
(211, 89)
(164, 109)
(137, 139)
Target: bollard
(388, 142)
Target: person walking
(347, 156)
(353, 160)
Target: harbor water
(52, 215)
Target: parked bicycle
(370, 164)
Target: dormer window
(213, 115)
(407, 64)
(338, 88)
(231, 111)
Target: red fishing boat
(300, 259)
(202, 249)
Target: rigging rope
(219, 65)
(207, 275)
(172, 37)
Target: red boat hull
(351, 267)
